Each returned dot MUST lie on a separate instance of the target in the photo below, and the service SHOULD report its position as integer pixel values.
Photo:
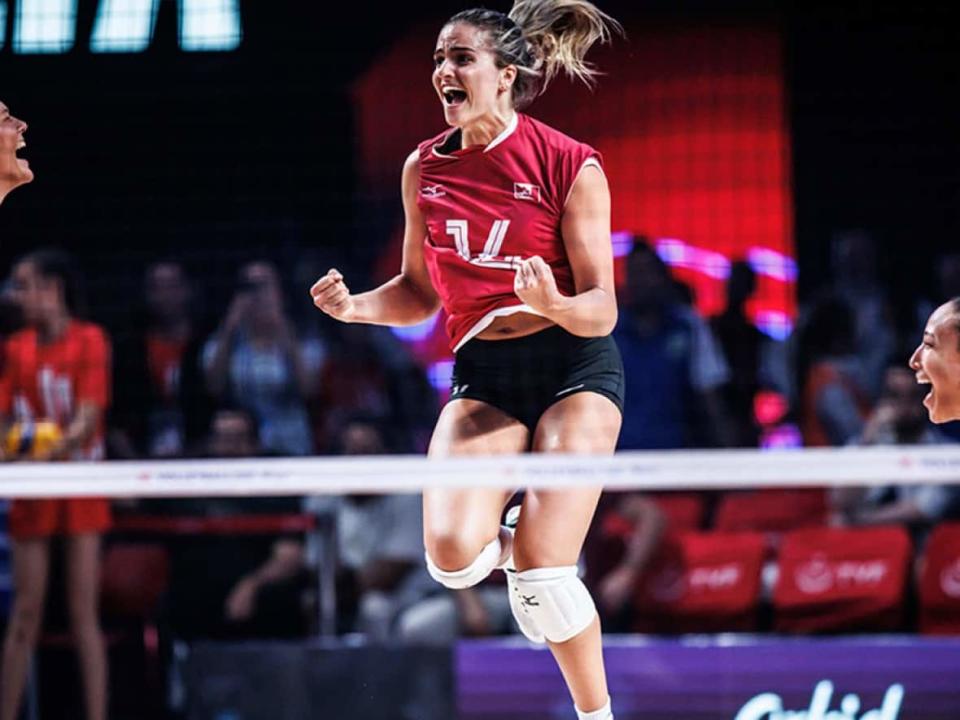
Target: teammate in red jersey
(936, 361)
(58, 370)
(14, 171)
(508, 229)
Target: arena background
(730, 130)
(282, 144)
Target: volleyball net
(635, 470)
(745, 572)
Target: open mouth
(21, 144)
(452, 97)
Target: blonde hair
(542, 38)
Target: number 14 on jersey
(490, 255)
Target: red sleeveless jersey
(487, 208)
(48, 382)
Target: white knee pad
(555, 600)
(474, 573)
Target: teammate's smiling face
(936, 362)
(12, 130)
(466, 76)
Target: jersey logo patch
(526, 191)
(433, 191)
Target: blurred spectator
(899, 418)
(617, 560)
(742, 344)
(257, 361)
(479, 611)
(856, 281)
(236, 585)
(379, 542)
(380, 545)
(10, 320)
(57, 370)
(947, 285)
(834, 402)
(233, 434)
(357, 379)
(147, 418)
(674, 370)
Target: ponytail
(542, 38)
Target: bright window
(210, 25)
(124, 26)
(44, 26)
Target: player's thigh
(586, 423)
(470, 515)
(554, 523)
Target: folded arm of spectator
(649, 524)
(915, 506)
(286, 561)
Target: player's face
(12, 168)
(465, 74)
(936, 362)
(36, 295)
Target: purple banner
(876, 678)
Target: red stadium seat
(684, 511)
(702, 582)
(133, 580)
(834, 579)
(772, 510)
(940, 582)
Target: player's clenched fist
(331, 295)
(535, 285)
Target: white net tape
(666, 470)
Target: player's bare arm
(406, 299)
(585, 227)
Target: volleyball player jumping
(508, 228)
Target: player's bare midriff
(514, 326)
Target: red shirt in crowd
(49, 382)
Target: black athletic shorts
(526, 375)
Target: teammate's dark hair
(53, 263)
(541, 38)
